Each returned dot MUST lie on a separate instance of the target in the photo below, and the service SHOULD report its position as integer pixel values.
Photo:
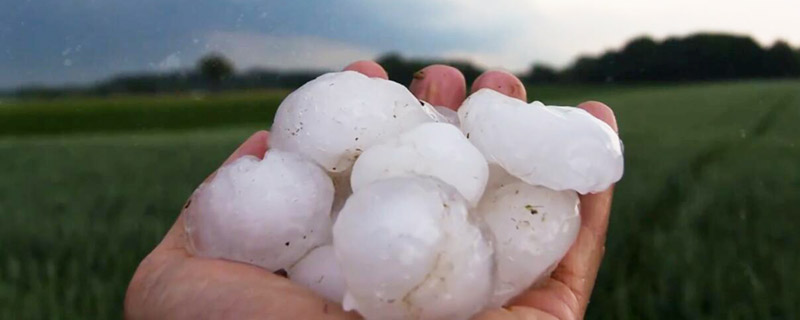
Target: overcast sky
(79, 41)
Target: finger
(368, 68)
(440, 85)
(598, 205)
(566, 294)
(503, 82)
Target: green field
(704, 223)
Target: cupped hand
(170, 283)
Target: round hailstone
(268, 212)
(320, 272)
(561, 148)
(336, 116)
(408, 250)
(432, 149)
(533, 227)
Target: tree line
(699, 57)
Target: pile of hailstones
(401, 210)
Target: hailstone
(408, 250)
(533, 227)
(431, 149)
(320, 272)
(268, 212)
(336, 116)
(561, 148)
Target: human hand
(171, 283)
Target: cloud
(250, 50)
(130, 36)
(578, 26)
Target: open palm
(170, 283)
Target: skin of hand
(172, 284)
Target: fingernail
(440, 85)
(502, 82)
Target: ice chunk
(268, 212)
(432, 149)
(561, 148)
(533, 227)
(408, 250)
(336, 116)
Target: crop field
(704, 225)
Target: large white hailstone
(533, 227)
(408, 250)
(336, 116)
(561, 148)
(320, 272)
(266, 212)
(431, 149)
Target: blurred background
(111, 112)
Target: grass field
(704, 223)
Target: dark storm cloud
(79, 41)
(54, 41)
(76, 41)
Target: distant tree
(584, 69)
(781, 61)
(400, 70)
(692, 58)
(215, 68)
(715, 56)
(541, 73)
(637, 60)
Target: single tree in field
(215, 68)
